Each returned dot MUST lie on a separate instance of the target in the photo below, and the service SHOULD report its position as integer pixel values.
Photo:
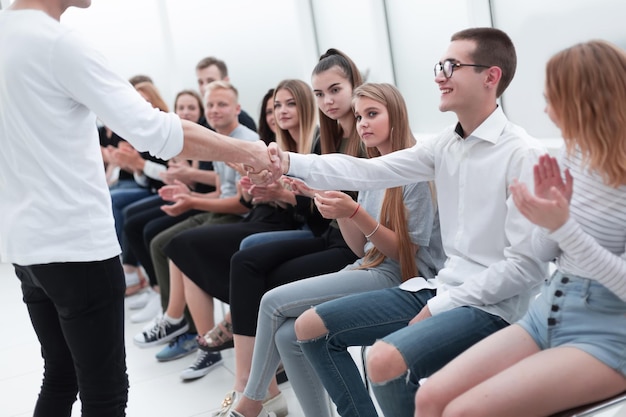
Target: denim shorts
(579, 312)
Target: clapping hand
(549, 207)
(547, 175)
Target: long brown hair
(586, 88)
(305, 103)
(393, 214)
(331, 132)
(153, 95)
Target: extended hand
(334, 204)
(181, 205)
(265, 166)
(299, 187)
(170, 192)
(267, 193)
(176, 170)
(548, 175)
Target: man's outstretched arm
(206, 145)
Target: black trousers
(77, 311)
(256, 270)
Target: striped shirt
(592, 242)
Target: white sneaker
(150, 310)
(131, 278)
(139, 300)
(205, 363)
(160, 331)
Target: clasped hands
(268, 164)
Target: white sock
(172, 320)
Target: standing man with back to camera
(56, 226)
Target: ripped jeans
(361, 319)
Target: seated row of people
(384, 273)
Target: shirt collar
(489, 130)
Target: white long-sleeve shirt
(490, 263)
(54, 202)
(592, 242)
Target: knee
(430, 400)
(384, 362)
(310, 325)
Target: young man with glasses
(490, 274)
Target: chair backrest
(613, 404)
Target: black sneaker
(205, 363)
(162, 331)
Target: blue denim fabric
(265, 237)
(122, 197)
(361, 319)
(276, 340)
(579, 312)
(426, 347)
(357, 320)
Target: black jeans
(77, 311)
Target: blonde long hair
(393, 214)
(586, 88)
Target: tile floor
(156, 389)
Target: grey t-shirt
(423, 226)
(228, 176)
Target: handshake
(267, 165)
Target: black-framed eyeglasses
(448, 67)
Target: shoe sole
(227, 345)
(171, 358)
(164, 340)
(203, 372)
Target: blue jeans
(276, 338)
(122, 197)
(361, 319)
(265, 237)
(77, 311)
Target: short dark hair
(493, 48)
(211, 60)
(140, 78)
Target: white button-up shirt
(488, 242)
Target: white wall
(394, 41)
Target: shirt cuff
(440, 303)
(299, 165)
(174, 142)
(565, 231)
(141, 179)
(152, 169)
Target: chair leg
(363, 361)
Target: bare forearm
(206, 145)
(203, 176)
